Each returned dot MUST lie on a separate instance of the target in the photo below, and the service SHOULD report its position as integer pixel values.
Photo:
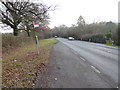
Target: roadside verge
(21, 66)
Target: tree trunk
(28, 33)
(15, 31)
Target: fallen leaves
(21, 67)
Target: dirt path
(67, 70)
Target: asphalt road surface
(78, 64)
(102, 58)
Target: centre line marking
(95, 69)
(82, 59)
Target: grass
(104, 44)
(108, 44)
(21, 65)
(112, 45)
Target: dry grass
(20, 67)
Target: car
(70, 38)
(56, 36)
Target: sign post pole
(36, 41)
(36, 25)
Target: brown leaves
(21, 68)
(21, 71)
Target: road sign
(36, 25)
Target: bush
(14, 41)
(97, 38)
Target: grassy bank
(21, 65)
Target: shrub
(14, 41)
(97, 38)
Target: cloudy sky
(68, 11)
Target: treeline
(102, 32)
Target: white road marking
(95, 69)
(82, 59)
(75, 53)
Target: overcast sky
(68, 11)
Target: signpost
(36, 40)
(36, 25)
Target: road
(102, 58)
(78, 64)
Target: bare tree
(81, 21)
(13, 13)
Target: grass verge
(20, 67)
(104, 44)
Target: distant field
(21, 65)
